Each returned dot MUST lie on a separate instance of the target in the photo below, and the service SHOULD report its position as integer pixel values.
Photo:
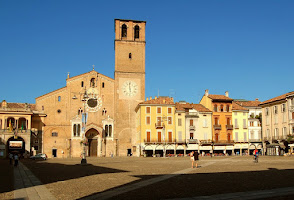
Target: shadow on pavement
(6, 176)
(206, 184)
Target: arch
(16, 145)
(124, 30)
(136, 32)
(222, 108)
(10, 123)
(92, 82)
(91, 136)
(91, 133)
(22, 123)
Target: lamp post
(84, 120)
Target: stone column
(99, 147)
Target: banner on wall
(15, 144)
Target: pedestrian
(196, 158)
(15, 160)
(10, 158)
(255, 153)
(192, 158)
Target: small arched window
(79, 130)
(82, 84)
(110, 131)
(124, 30)
(59, 98)
(92, 82)
(103, 84)
(228, 108)
(130, 55)
(106, 130)
(137, 32)
(222, 108)
(215, 108)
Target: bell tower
(129, 78)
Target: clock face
(130, 88)
(94, 104)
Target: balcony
(291, 121)
(223, 141)
(192, 128)
(229, 127)
(159, 125)
(18, 131)
(192, 141)
(156, 141)
(217, 127)
(255, 140)
(205, 141)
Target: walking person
(10, 158)
(196, 158)
(192, 158)
(15, 160)
(255, 153)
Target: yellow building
(240, 131)
(156, 126)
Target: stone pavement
(27, 186)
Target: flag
(10, 126)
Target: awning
(219, 147)
(148, 148)
(192, 147)
(180, 147)
(205, 147)
(229, 147)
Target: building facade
(277, 124)
(94, 110)
(222, 129)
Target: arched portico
(94, 142)
(15, 145)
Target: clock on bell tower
(129, 78)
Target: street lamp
(84, 119)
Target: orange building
(222, 129)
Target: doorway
(54, 153)
(92, 150)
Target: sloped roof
(160, 100)
(278, 98)
(218, 97)
(198, 107)
(19, 106)
(248, 103)
(238, 107)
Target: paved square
(164, 178)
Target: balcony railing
(192, 128)
(217, 127)
(205, 141)
(19, 131)
(229, 127)
(192, 141)
(159, 125)
(223, 141)
(255, 140)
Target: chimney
(150, 98)
(68, 75)
(4, 104)
(147, 99)
(257, 99)
(163, 100)
(155, 97)
(172, 98)
(227, 94)
(206, 92)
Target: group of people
(13, 158)
(194, 156)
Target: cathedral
(93, 113)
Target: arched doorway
(15, 145)
(92, 137)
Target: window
(205, 136)
(159, 136)
(228, 108)
(170, 120)
(169, 110)
(124, 30)
(244, 123)
(103, 84)
(216, 121)
(148, 136)
(276, 132)
(205, 123)
(170, 136)
(215, 108)
(216, 137)
(236, 137)
(158, 110)
(228, 121)
(36, 148)
(222, 108)
(252, 134)
(82, 84)
(267, 133)
(179, 135)
(130, 55)
(108, 130)
(179, 122)
(147, 110)
(76, 130)
(251, 123)
(229, 137)
(158, 122)
(266, 111)
(92, 82)
(283, 107)
(276, 109)
(191, 122)
(285, 131)
(236, 123)
(148, 120)
(137, 32)
(191, 135)
(54, 134)
(42, 107)
(245, 137)
(59, 98)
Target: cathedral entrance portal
(92, 136)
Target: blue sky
(245, 47)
